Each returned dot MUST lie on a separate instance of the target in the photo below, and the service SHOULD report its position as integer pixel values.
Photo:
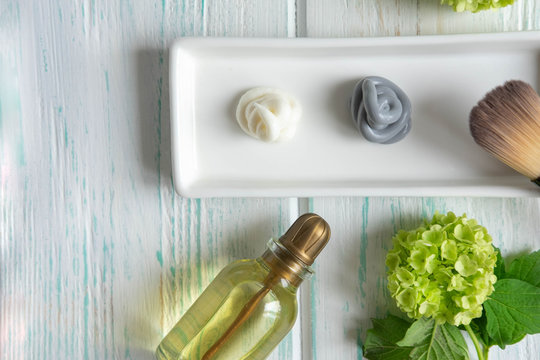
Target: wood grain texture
(98, 256)
(411, 17)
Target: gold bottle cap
(306, 237)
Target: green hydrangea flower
(476, 5)
(442, 270)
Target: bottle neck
(284, 264)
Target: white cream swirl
(268, 114)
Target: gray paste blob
(380, 110)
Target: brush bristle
(506, 123)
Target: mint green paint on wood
(159, 257)
(58, 295)
(83, 22)
(363, 248)
(127, 353)
(44, 56)
(198, 242)
(173, 239)
(202, 17)
(86, 297)
(393, 214)
(314, 291)
(188, 240)
(107, 80)
(428, 207)
(285, 348)
(359, 344)
(93, 11)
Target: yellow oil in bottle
(219, 305)
(251, 305)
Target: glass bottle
(251, 305)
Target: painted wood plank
(441, 19)
(240, 18)
(359, 18)
(98, 255)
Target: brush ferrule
(537, 181)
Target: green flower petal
(464, 233)
(393, 284)
(427, 309)
(405, 277)
(418, 259)
(392, 261)
(448, 218)
(443, 270)
(432, 263)
(449, 250)
(434, 295)
(457, 283)
(407, 299)
(433, 237)
(465, 266)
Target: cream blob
(268, 114)
(380, 110)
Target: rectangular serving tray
(444, 76)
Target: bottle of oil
(251, 305)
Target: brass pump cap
(306, 238)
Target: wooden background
(99, 256)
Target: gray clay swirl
(380, 110)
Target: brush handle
(537, 181)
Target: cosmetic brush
(506, 123)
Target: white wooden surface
(98, 256)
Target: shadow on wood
(154, 130)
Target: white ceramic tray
(444, 76)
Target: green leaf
(381, 341)
(526, 268)
(435, 342)
(513, 309)
(479, 326)
(499, 270)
